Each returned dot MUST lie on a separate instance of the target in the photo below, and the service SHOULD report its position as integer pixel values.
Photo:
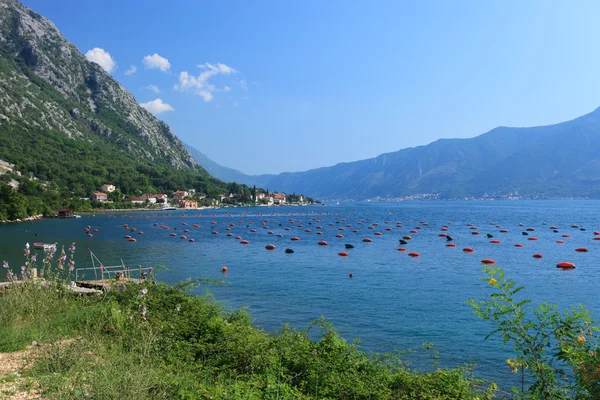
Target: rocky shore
(32, 218)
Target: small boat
(45, 246)
(169, 208)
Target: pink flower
(5, 264)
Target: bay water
(393, 301)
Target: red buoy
(351, 275)
(224, 269)
(488, 261)
(565, 265)
(503, 231)
(581, 249)
(560, 241)
(468, 250)
(532, 238)
(377, 233)
(406, 237)
(518, 245)
(414, 254)
(537, 255)
(474, 233)
(367, 240)
(343, 254)
(450, 245)
(323, 243)
(270, 247)
(495, 241)
(401, 249)
(244, 242)
(295, 238)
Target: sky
(273, 86)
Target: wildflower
(142, 311)
(493, 281)
(27, 245)
(33, 258)
(5, 264)
(581, 338)
(514, 365)
(178, 308)
(143, 292)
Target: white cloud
(156, 62)
(154, 88)
(132, 70)
(243, 84)
(201, 84)
(157, 106)
(102, 58)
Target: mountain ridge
(38, 43)
(69, 127)
(496, 163)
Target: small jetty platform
(96, 279)
(104, 278)
(106, 285)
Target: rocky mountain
(67, 123)
(559, 160)
(228, 174)
(97, 103)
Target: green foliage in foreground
(165, 343)
(558, 351)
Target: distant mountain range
(561, 160)
(228, 174)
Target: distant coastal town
(109, 195)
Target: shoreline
(27, 219)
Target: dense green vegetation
(69, 168)
(156, 341)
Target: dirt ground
(11, 367)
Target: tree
(115, 196)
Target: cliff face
(90, 101)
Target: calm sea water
(393, 302)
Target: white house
(107, 187)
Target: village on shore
(190, 199)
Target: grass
(159, 342)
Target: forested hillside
(71, 127)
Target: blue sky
(294, 85)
